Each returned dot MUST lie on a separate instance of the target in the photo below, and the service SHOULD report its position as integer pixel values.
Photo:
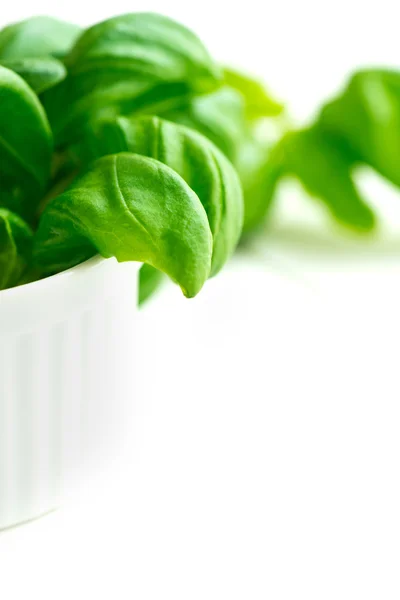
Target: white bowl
(66, 354)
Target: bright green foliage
(258, 102)
(159, 193)
(367, 117)
(140, 62)
(360, 126)
(324, 168)
(159, 154)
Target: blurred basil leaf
(149, 281)
(257, 101)
(321, 164)
(324, 168)
(367, 117)
(260, 170)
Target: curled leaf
(203, 167)
(134, 208)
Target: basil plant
(111, 143)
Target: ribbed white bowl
(66, 354)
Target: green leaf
(149, 281)
(40, 73)
(260, 170)
(145, 43)
(127, 64)
(367, 117)
(324, 169)
(37, 36)
(134, 208)
(257, 101)
(203, 167)
(15, 248)
(220, 116)
(25, 145)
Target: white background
(264, 456)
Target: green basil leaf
(203, 167)
(37, 36)
(149, 281)
(40, 73)
(145, 43)
(125, 64)
(220, 116)
(367, 117)
(15, 248)
(25, 145)
(324, 169)
(260, 170)
(134, 208)
(257, 101)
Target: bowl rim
(58, 297)
(41, 284)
